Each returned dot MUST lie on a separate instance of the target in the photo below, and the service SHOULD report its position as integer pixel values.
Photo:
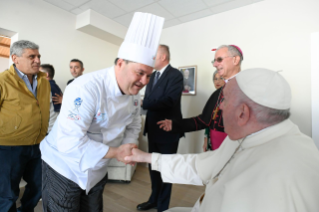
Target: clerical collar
(226, 80)
(250, 135)
(254, 133)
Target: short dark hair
(77, 60)
(165, 50)
(115, 61)
(49, 69)
(128, 61)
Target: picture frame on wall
(189, 79)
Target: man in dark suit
(162, 101)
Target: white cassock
(275, 170)
(95, 115)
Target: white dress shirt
(95, 115)
(162, 71)
(53, 115)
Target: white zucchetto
(142, 39)
(265, 87)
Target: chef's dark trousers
(60, 194)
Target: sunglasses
(220, 59)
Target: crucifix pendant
(215, 113)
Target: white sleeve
(177, 168)
(132, 131)
(76, 116)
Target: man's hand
(57, 99)
(139, 156)
(165, 125)
(120, 152)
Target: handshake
(129, 154)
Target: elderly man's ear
(14, 59)
(236, 60)
(243, 115)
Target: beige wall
(4, 64)
(53, 29)
(273, 34)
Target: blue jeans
(18, 162)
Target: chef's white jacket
(95, 115)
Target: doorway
(7, 37)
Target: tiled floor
(119, 197)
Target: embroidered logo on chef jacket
(135, 110)
(99, 116)
(75, 114)
(77, 103)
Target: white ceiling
(174, 11)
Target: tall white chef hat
(265, 87)
(142, 39)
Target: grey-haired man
(24, 120)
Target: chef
(264, 164)
(99, 120)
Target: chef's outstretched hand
(139, 156)
(121, 152)
(165, 125)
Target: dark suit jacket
(71, 80)
(55, 89)
(163, 102)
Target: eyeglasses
(220, 59)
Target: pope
(264, 164)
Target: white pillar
(315, 86)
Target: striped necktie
(157, 74)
